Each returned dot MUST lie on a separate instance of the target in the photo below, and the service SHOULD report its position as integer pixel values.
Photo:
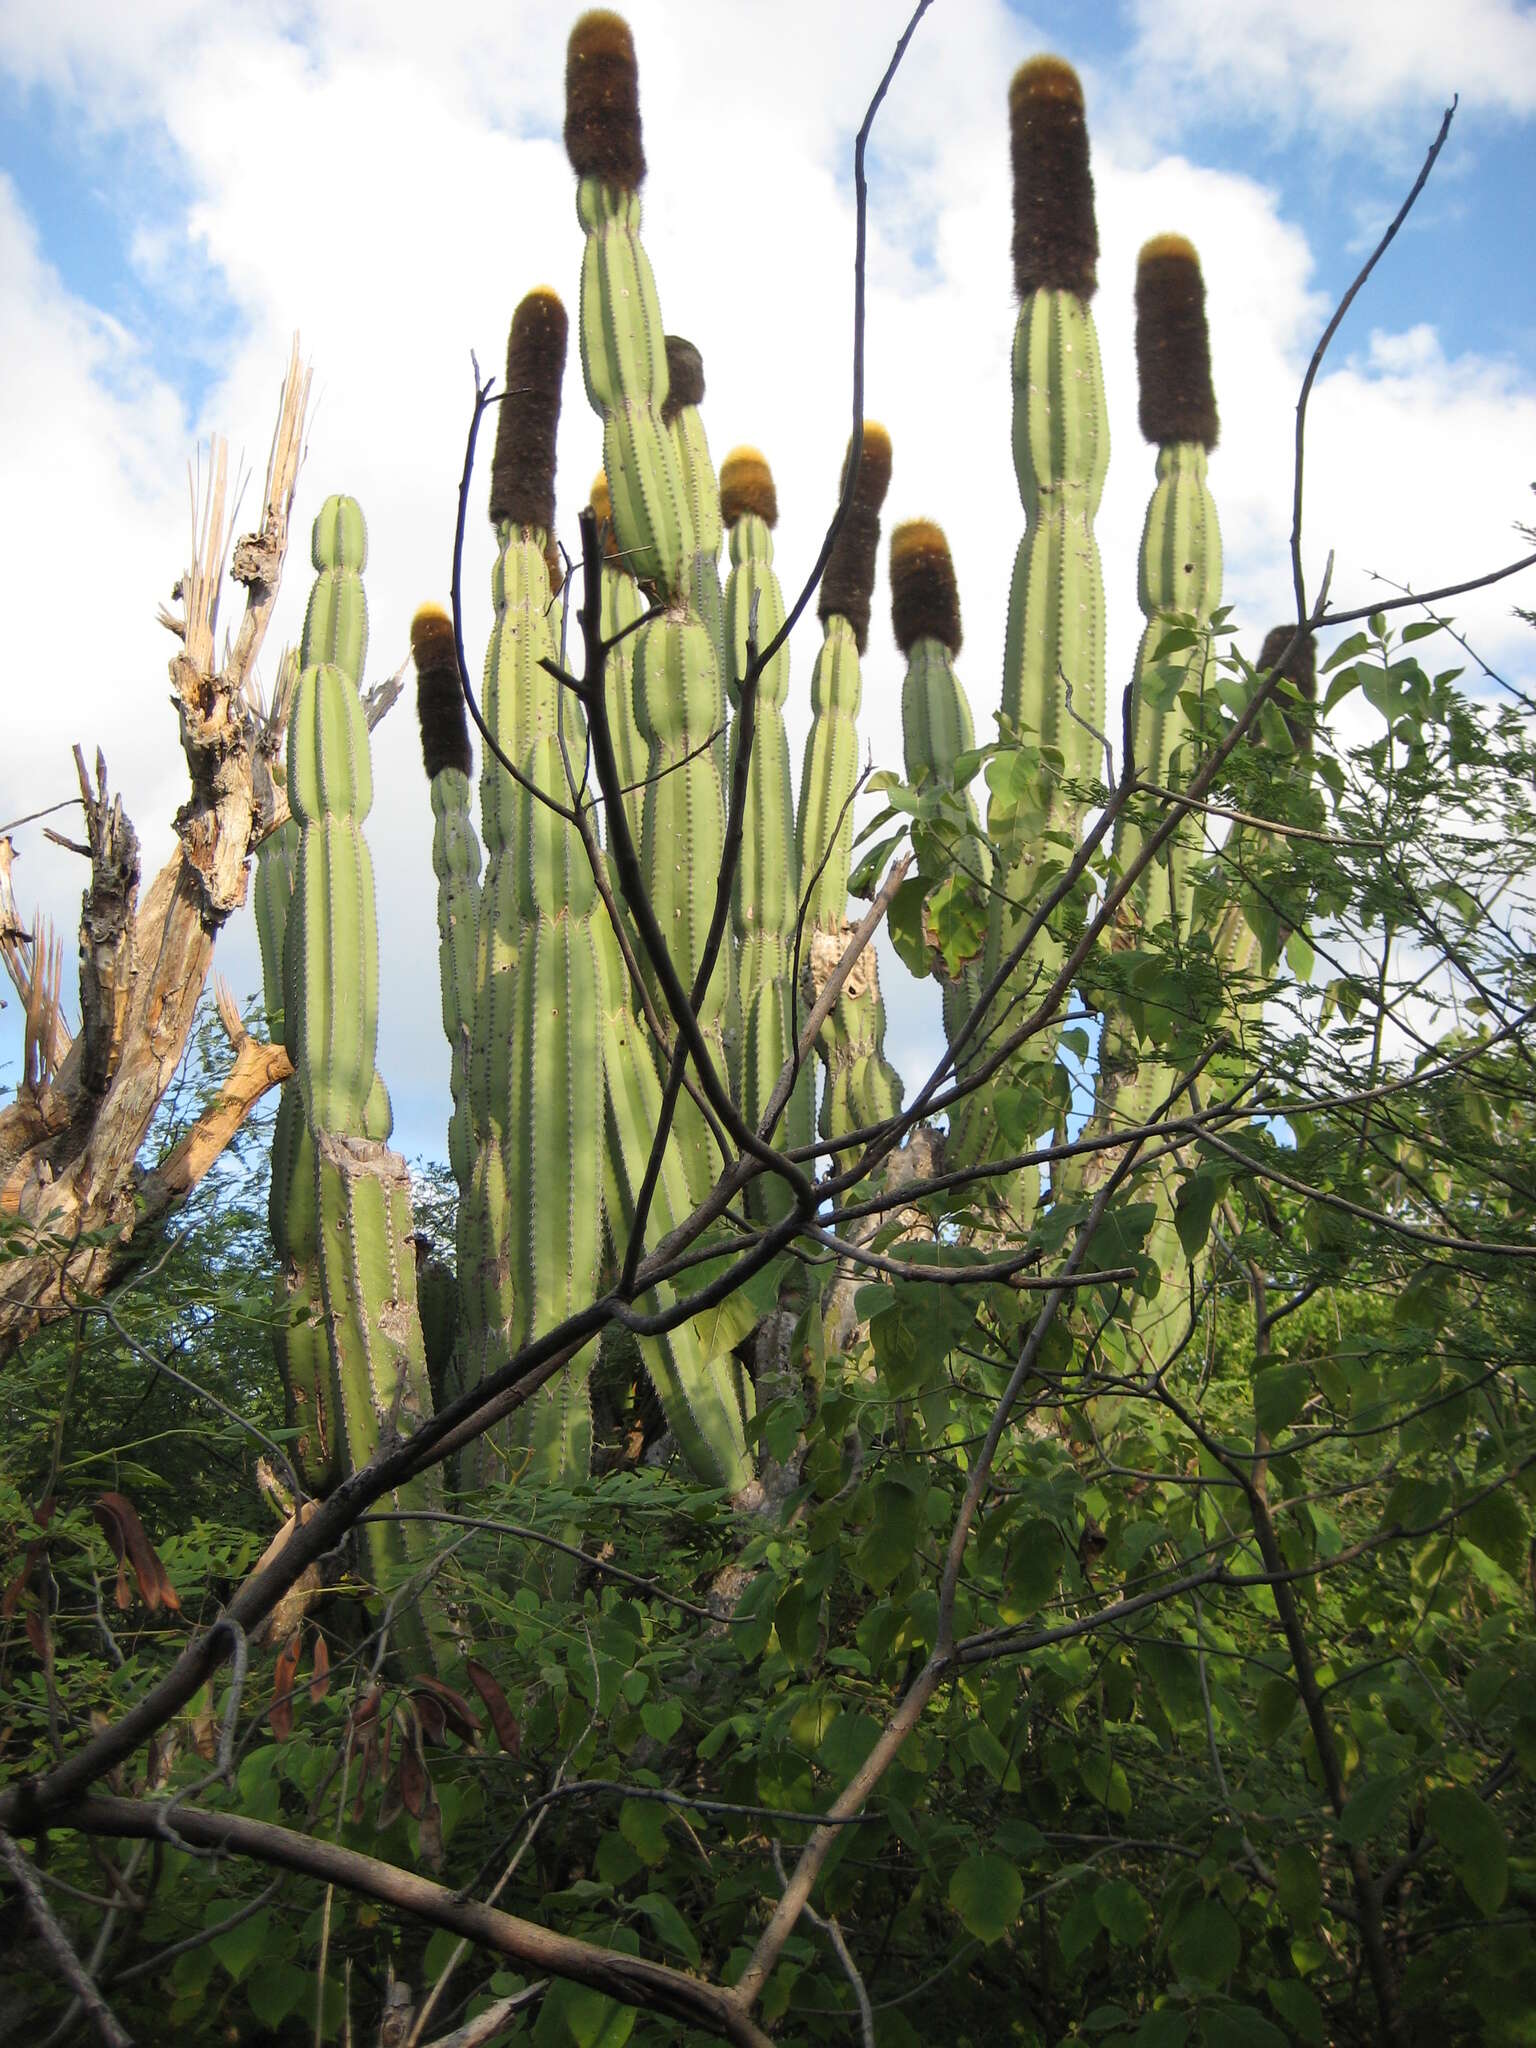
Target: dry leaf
(280, 1713)
(320, 1682)
(119, 1520)
(508, 1734)
(452, 1709)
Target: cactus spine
(358, 1220)
(766, 895)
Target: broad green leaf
(1123, 1912)
(279, 1989)
(1367, 1810)
(1279, 1393)
(1474, 1841)
(1206, 1944)
(671, 1928)
(1298, 2008)
(661, 1719)
(244, 1944)
(988, 1894)
(1194, 1206)
(1235, 2026)
(643, 1824)
(1277, 1704)
(1299, 1883)
(1165, 2028)
(1496, 1524)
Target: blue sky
(183, 185)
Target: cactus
(355, 1226)
(455, 859)
(519, 709)
(1054, 645)
(676, 673)
(861, 1085)
(937, 729)
(766, 895)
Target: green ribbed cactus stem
(520, 707)
(622, 603)
(685, 394)
(276, 859)
(551, 1153)
(455, 859)
(851, 1044)
(766, 893)
(368, 1291)
(936, 723)
(677, 684)
(359, 1218)
(682, 841)
(1055, 631)
(707, 1401)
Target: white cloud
(1315, 63)
(393, 196)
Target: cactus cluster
(563, 1066)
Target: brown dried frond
(746, 485)
(685, 377)
(439, 700)
(523, 467)
(1173, 346)
(849, 581)
(602, 101)
(1055, 236)
(1301, 671)
(925, 601)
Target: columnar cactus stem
(335, 630)
(622, 604)
(1180, 581)
(936, 718)
(767, 886)
(861, 1085)
(685, 394)
(455, 859)
(1054, 647)
(519, 709)
(361, 1217)
(676, 677)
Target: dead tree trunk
(71, 1196)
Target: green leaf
(1367, 1810)
(988, 1894)
(1165, 2028)
(1474, 1840)
(1299, 1883)
(1346, 650)
(279, 1989)
(1206, 1944)
(1194, 1206)
(904, 923)
(1279, 1392)
(661, 1719)
(1497, 1526)
(671, 1928)
(1277, 1703)
(243, 1944)
(573, 2013)
(1237, 2026)
(643, 1824)
(956, 921)
(1298, 2008)
(1123, 1912)
(1299, 955)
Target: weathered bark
(70, 1141)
